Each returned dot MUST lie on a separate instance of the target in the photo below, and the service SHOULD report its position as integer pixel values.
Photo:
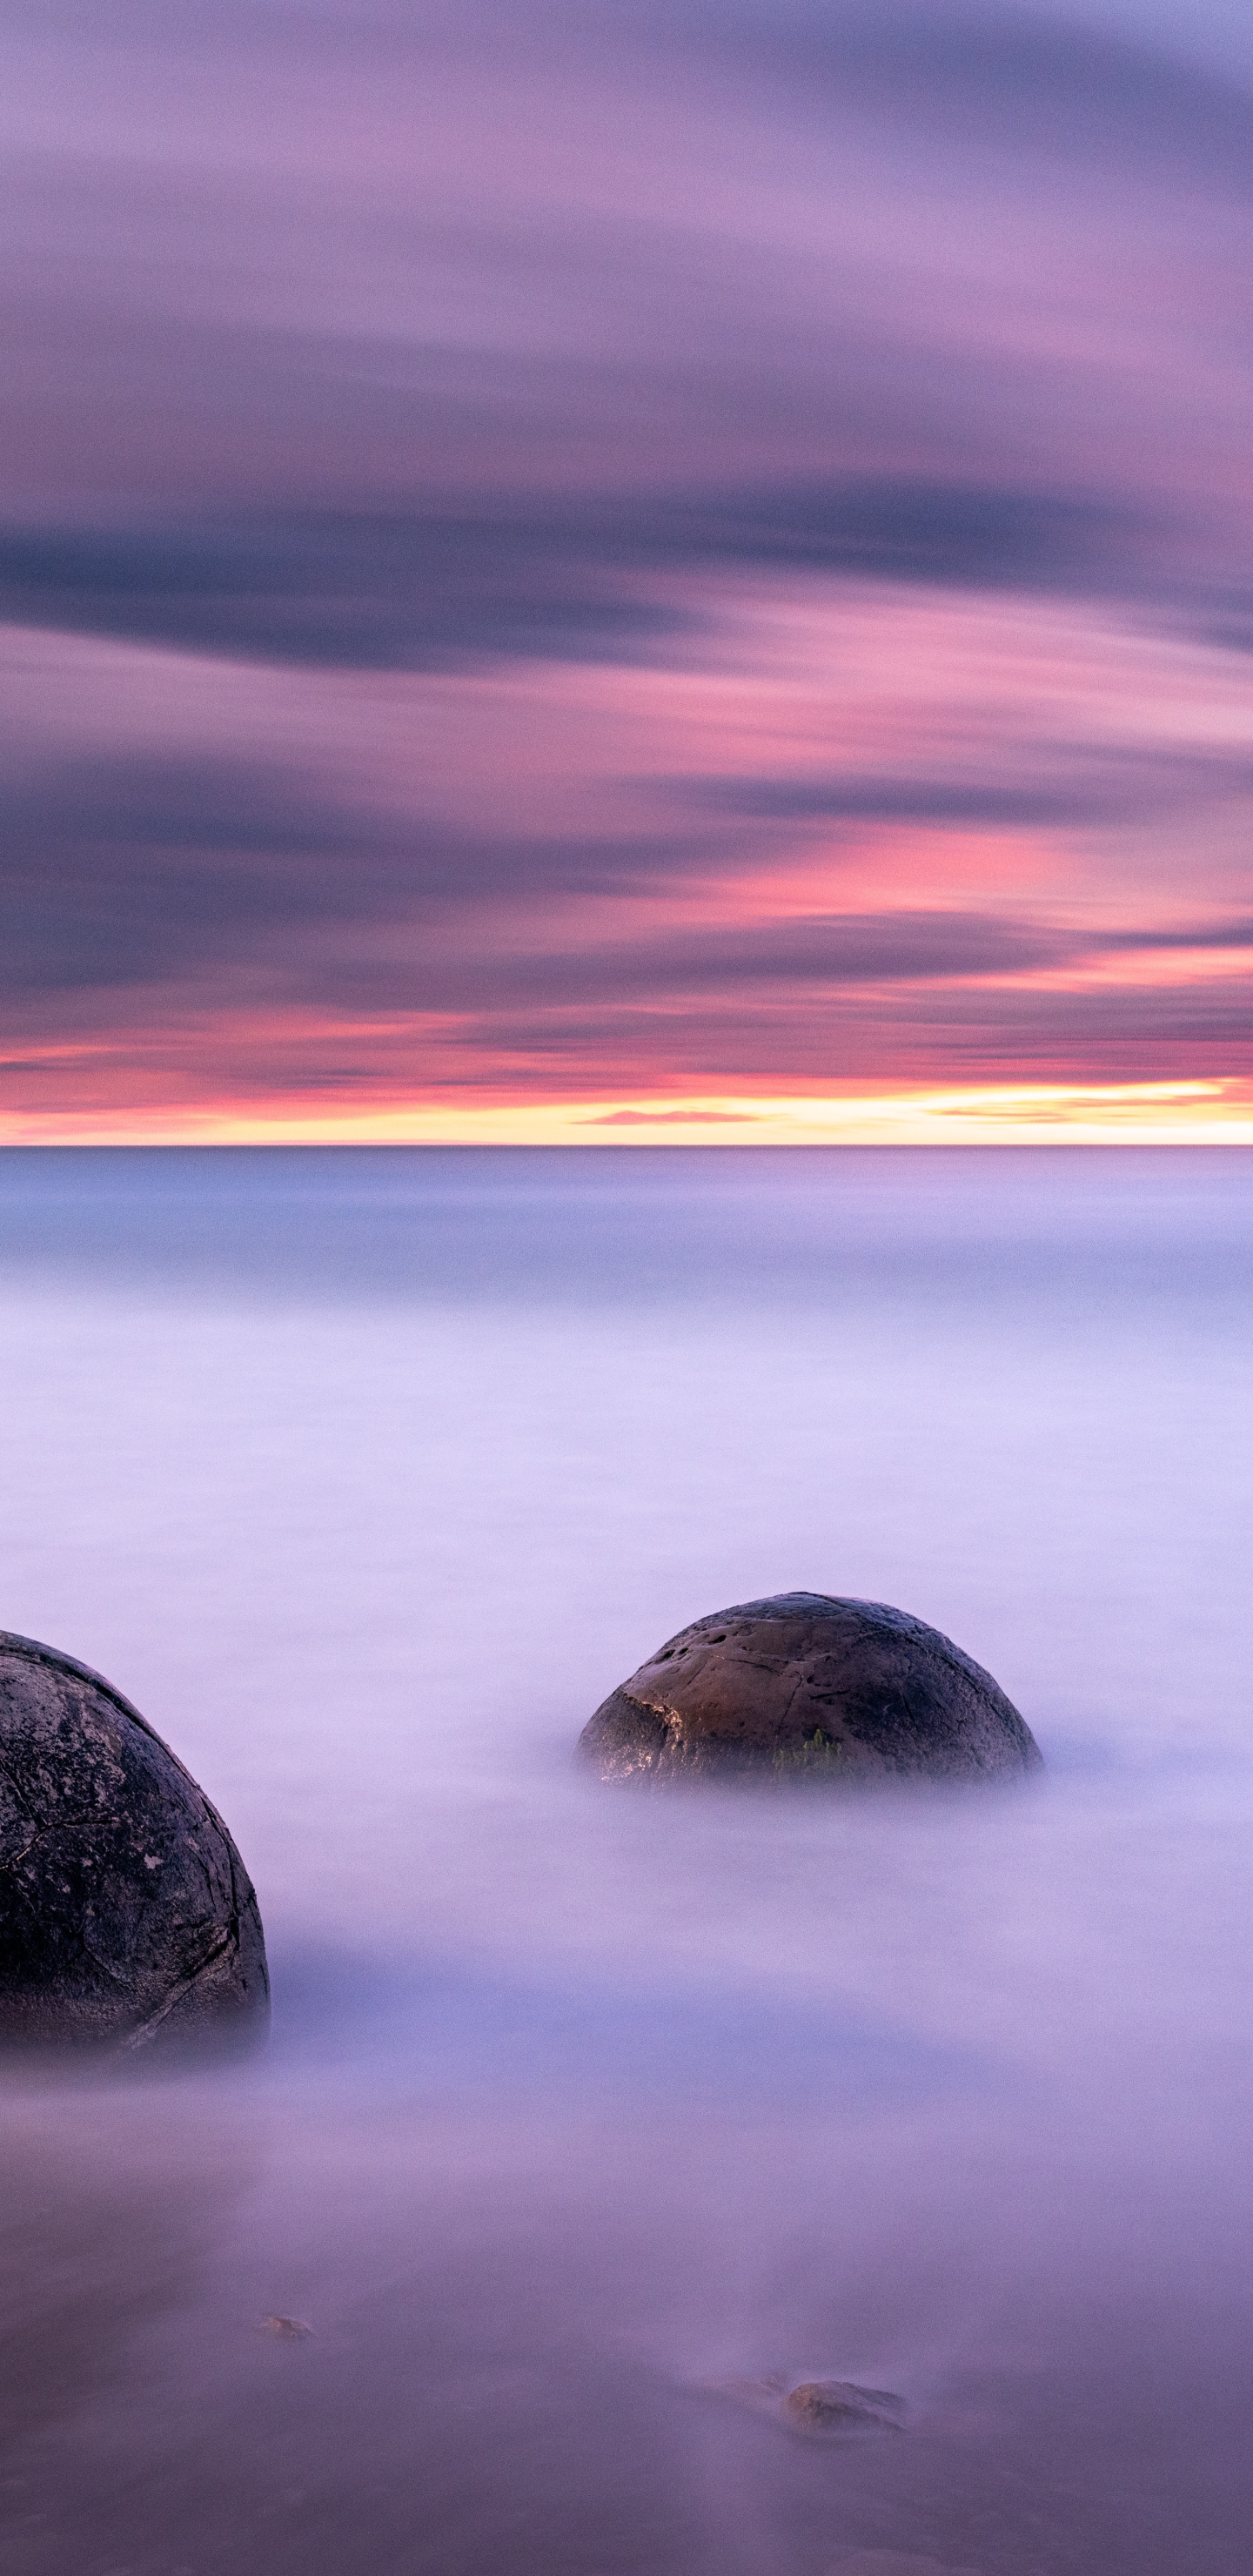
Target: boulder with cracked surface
(806, 1686)
(126, 1914)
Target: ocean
(591, 2119)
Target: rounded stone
(126, 1913)
(807, 1686)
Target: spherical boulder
(126, 1913)
(804, 1686)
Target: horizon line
(1197, 1112)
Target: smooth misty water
(366, 1475)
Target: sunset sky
(627, 572)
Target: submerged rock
(839, 2406)
(829, 2408)
(894, 2562)
(126, 1913)
(807, 1686)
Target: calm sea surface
(367, 1475)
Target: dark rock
(126, 1913)
(809, 1687)
(839, 2406)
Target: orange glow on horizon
(1147, 1113)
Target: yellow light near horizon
(1196, 1112)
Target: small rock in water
(894, 2562)
(127, 1916)
(288, 2329)
(838, 2406)
(804, 1686)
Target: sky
(592, 571)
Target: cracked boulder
(807, 1687)
(126, 1913)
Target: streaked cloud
(606, 553)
